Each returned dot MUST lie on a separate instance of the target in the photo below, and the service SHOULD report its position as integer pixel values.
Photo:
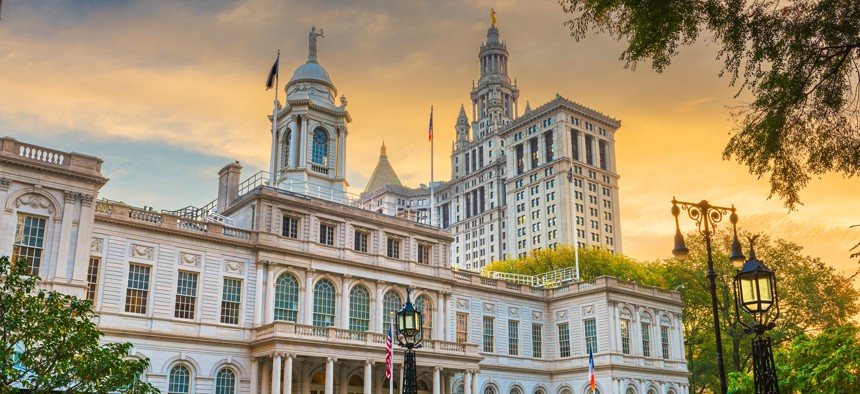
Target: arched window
(671, 391)
(359, 309)
(286, 298)
(516, 390)
(652, 391)
(459, 389)
(225, 381)
(424, 305)
(320, 149)
(490, 390)
(391, 302)
(540, 390)
(630, 390)
(285, 155)
(180, 380)
(564, 391)
(324, 295)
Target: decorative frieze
(588, 310)
(4, 184)
(234, 267)
(537, 315)
(561, 315)
(96, 245)
(189, 259)
(513, 311)
(34, 201)
(489, 308)
(141, 251)
(462, 303)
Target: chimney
(228, 185)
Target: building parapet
(67, 162)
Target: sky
(169, 92)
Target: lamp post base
(764, 370)
(410, 373)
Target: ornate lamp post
(689, 344)
(755, 292)
(706, 217)
(409, 323)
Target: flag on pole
(389, 354)
(591, 370)
(270, 81)
(431, 125)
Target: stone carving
(96, 245)
(588, 310)
(312, 42)
(145, 252)
(561, 315)
(235, 267)
(71, 197)
(664, 320)
(514, 311)
(490, 308)
(463, 303)
(4, 184)
(34, 201)
(86, 199)
(537, 315)
(189, 259)
(625, 314)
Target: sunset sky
(168, 94)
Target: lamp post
(689, 344)
(755, 292)
(409, 323)
(706, 217)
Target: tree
(797, 58)
(50, 342)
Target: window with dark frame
(327, 234)
(93, 278)
(186, 295)
(537, 341)
(29, 240)
(231, 301)
(360, 241)
(290, 227)
(137, 291)
(423, 254)
(393, 249)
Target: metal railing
(547, 280)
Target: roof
(383, 174)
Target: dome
(312, 72)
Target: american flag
(389, 353)
(431, 124)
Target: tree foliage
(49, 342)
(592, 263)
(814, 297)
(798, 59)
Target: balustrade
(42, 154)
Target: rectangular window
(664, 340)
(574, 144)
(513, 337)
(393, 248)
(93, 279)
(646, 339)
(231, 301)
(291, 227)
(625, 336)
(29, 238)
(549, 147)
(533, 147)
(360, 241)
(326, 234)
(489, 338)
(602, 149)
(423, 254)
(563, 340)
(137, 293)
(186, 295)
(519, 153)
(462, 327)
(537, 341)
(589, 154)
(590, 335)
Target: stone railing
(80, 163)
(605, 283)
(282, 330)
(117, 211)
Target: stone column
(342, 320)
(267, 377)
(255, 374)
(368, 376)
(475, 382)
(61, 272)
(288, 375)
(82, 247)
(437, 381)
(379, 321)
(309, 298)
(343, 378)
(467, 382)
(439, 314)
(304, 142)
(294, 142)
(402, 370)
(276, 374)
(306, 377)
(270, 293)
(258, 295)
(329, 375)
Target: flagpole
(432, 197)
(272, 164)
(391, 380)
